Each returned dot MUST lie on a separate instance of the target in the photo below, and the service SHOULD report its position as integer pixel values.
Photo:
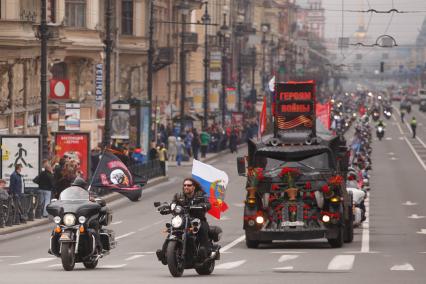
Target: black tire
(207, 268)
(68, 256)
(349, 224)
(251, 243)
(90, 264)
(338, 241)
(174, 261)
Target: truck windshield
(314, 163)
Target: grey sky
(403, 27)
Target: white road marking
(391, 153)
(124, 236)
(55, 265)
(134, 257)
(284, 268)
(393, 159)
(401, 138)
(422, 231)
(36, 261)
(415, 216)
(415, 154)
(141, 252)
(149, 226)
(388, 138)
(240, 205)
(230, 265)
(8, 256)
(421, 141)
(116, 223)
(341, 262)
(405, 266)
(232, 244)
(113, 266)
(409, 203)
(280, 252)
(287, 257)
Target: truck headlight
(326, 218)
(177, 222)
(69, 220)
(259, 219)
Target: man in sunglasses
(193, 194)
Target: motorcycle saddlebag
(215, 233)
(107, 239)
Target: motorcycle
(387, 114)
(380, 132)
(181, 250)
(376, 115)
(78, 235)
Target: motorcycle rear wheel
(207, 268)
(68, 256)
(90, 264)
(174, 259)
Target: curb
(108, 198)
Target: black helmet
(80, 182)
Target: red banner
(76, 146)
(323, 114)
(59, 89)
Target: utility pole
(240, 74)
(108, 50)
(223, 30)
(44, 36)
(182, 73)
(206, 21)
(150, 68)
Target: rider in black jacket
(193, 194)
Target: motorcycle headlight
(177, 222)
(178, 209)
(69, 220)
(81, 219)
(57, 219)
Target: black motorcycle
(380, 132)
(181, 250)
(376, 115)
(78, 235)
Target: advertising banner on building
(24, 150)
(198, 98)
(75, 145)
(231, 99)
(120, 121)
(72, 117)
(59, 89)
(215, 66)
(99, 87)
(214, 99)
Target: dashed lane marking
(287, 257)
(116, 223)
(149, 226)
(233, 243)
(238, 205)
(124, 236)
(231, 265)
(295, 252)
(409, 203)
(393, 159)
(402, 267)
(415, 153)
(9, 256)
(415, 216)
(422, 232)
(133, 257)
(141, 252)
(112, 266)
(388, 138)
(341, 262)
(36, 261)
(284, 268)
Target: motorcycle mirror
(157, 203)
(241, 166)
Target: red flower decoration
(325, 188)
(286, 170)
(292, 208)
(312, 195)
(275, 187)
(308, 185)
(336, 180)
(305, 217)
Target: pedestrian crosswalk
(264, 261)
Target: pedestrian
(172, 147)
(17, 189)
(413, 124)
(195, 144)
(162, 156)
(138, 157)
(153, 153)
(188, 142)
(179, 151)
(4, 195)
(402, 115)
(205, 140)
(233, 141)
(46, 186)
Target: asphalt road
(389, 248)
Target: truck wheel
(338, 241)
(349, 224)
(251, 243)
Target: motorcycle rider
(193, 194)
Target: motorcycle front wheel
(174, 259)
(68, 256)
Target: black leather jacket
(199, 199)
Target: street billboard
(231, 99)
(75, 145)
(20, 149)
(120, 121)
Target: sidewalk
(114, 196)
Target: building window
(75, 13)
(127, 17)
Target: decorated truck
(296, 187)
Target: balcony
(163, 57)
(190, 41)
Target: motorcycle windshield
(74, 193)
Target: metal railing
(20, 209)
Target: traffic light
(382, 67)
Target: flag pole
(96, 170)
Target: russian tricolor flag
(214, 183)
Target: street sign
(59, 89)
(72, 117)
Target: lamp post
(150, 69)
(224, 29)
(265, 29)
(184, 7)
(44, 36)
(108, 51)
(206, 21)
